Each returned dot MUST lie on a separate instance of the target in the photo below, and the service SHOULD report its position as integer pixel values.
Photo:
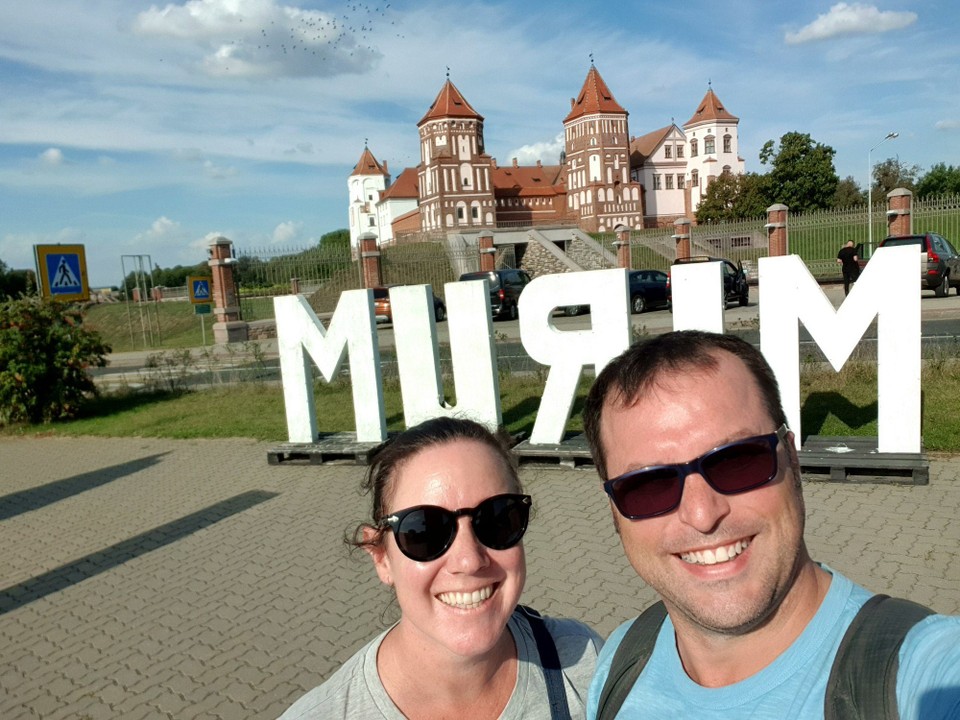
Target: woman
(448, 521)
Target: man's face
(760, 531)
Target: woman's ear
(374, 543)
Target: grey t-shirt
(355, 690)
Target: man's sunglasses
(426, 532)
(729, 469)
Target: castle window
(373, 221)
(459, 213)
(695, 179)
(727, 143)
(679, 151)
(693, 148)
(679, 182)
(668, 151)
(669, 180)
(709, 146)
(474, 212)
(657, 182)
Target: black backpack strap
(550, 662)
(863, 680)
(630, 659)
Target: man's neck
(713, 659)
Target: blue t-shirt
(793, 685)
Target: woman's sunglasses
(729, 469)
(426, 532)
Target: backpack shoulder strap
(863, 680)
(630, 659)
(550, 662)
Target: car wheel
(745, 299)
(943, 289)
(513, 312)
(572, 310)
(441, 314)
(638, 304)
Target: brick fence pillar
(777, 239)
(681, 235)
(488, 253)
(370, 260)
(899, 212)
(227, 326)
(622, 243)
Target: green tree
(44, 355)
(14, 283)
(848, 194)
(733, 197)
(336, 238)
(942, 179)
(891, 174)
(802, 175)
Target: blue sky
(138, 128)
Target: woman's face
(438, 599)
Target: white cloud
(851, 19)
(286, 233)
(548, 152)
(52, 156)
(947, 125)
(161, 229)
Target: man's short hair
(639, 367)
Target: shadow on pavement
(25, 500)
(60, 578)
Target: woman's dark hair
(387, 460)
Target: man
(849, 265)
(688, 432)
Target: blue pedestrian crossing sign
(199, 289)
(62, 270)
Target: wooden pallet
(328, 448)
(856, 459)
(571, 452)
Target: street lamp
(890, 136)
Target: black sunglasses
(729, 469)
(426, 532)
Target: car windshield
(492, 277)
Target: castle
(605, 177)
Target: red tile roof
(710, 108)
(404, 187)
(526, 180)
(595, 97)
(368, 165)
(646, 144)
(449, 103)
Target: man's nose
(701, 507)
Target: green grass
(836, 404)
(151, 325)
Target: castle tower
(712, 144)
(454, 175)
(596, 139)
(368, 179)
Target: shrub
(44, 355)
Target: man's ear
(374, 544)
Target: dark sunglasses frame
(617, 488)
(478, 520)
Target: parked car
(940, 262)
(735, 285)
(384, 313)
(648, 290)
(505, 288)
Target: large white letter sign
(300, 334)
(889, 289)
(697, 296)
(472, 351)
(607, 292)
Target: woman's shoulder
(344, 694)
(566, 633)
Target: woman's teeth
(466, 600)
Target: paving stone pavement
(148, 578)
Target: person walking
(849, 265)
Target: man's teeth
(466, 600)
(722, 554)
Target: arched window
(694, 148)
(727, 143)
(694, 179)
(709, 146)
